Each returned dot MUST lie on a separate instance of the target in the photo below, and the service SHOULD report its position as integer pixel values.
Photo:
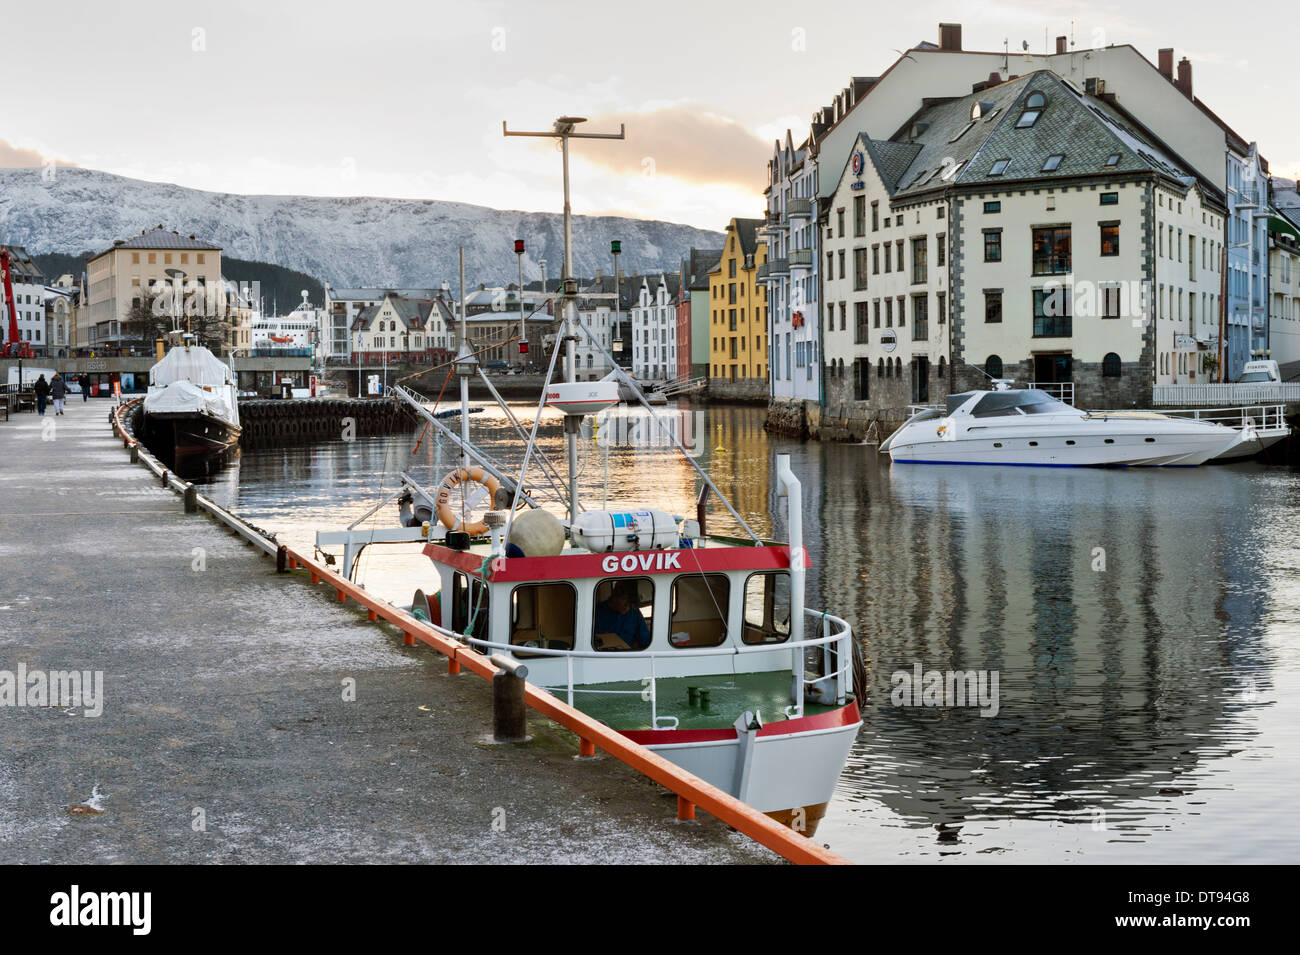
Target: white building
(1027, 231)
(653, 318)
(792, 273)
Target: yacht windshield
(1026, 401)
(1255, 376)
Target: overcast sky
(406, 99)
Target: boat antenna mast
(564, 130)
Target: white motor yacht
(1029, 427)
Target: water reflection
(1142, 623)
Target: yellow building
(155, 262)
(738, 313)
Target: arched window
(880, 368)
(941, 368)
(1110, 366)
(898, 368)
(993, 366)
(841, 363)
(1035, 100)
(1034, 105)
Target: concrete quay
(226, 732)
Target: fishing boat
(1028, 427)
(192, 406)
(698, 646)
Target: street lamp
(523, 336)
(616, 249)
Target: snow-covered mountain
(345, 241)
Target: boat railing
(1255, 417)
(913, 410)
(836, 635)
(1060, 390)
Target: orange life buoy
(443, 500)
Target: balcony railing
(798, 208)
(764, 272)
(778, 266)
(801, 258)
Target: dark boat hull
(189, 433)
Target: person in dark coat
(58, 391)
(42, 389)
(84, 382)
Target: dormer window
(1034, 105)
(1112, 159)
(1053, 162)
(999, 167)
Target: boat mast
(465, 364)
(564, 131)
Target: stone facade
(742, 390)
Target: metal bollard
(281, 559)
(191, 499)
(135, 454)
(509, 712)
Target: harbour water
(1143, 626)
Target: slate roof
(949, 148)
(413, 313)
(22, 269)
(698, 264)
(160, 238)
(747, 233)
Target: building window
(1110, 366)
(888, 246)
(999, 167)
(841, 264)
(920, 261)
(875, 260)
(1052, 251)
(920, 318)
(1052, 317)
(993, 366)
(1110, 238)
(1053, 162)
(993, 307)
(990, 207)
(941, 250)
(875, 217)
(941, 308)
(1112, 159)
(1110, 301)
(1110, 198)
(839, 218)
(889, 313)
(992, 245)
(875, 313)
(859, 215)
(859, 269)
(860, 323)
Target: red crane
(13, 348)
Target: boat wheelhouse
(724, 687)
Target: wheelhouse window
(543, 615)
(699, 610)
(624, 614)
(1052, 251)
(767, 607)
(469, 606)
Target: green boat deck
(620, 706)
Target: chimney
(950, 36)
(1184, 83)
(1167, 63)
(1060, 44)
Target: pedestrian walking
(42, 389)
(84, 382)
(58, 391)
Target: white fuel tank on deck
(631, 529)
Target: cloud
(17, 157)
(685, 142)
